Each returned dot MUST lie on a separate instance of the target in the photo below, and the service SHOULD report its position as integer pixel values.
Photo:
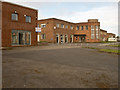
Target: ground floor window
(71, 38)
(43, 36)
(21, 37)
(66, 38)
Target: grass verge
(110, 51)
(105, 50)
(114, 45)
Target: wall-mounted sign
(37, 29)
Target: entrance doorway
(62, 38)
(20, 38)
(82, 39)
(57, 38)
(71, 38)
(66, 38)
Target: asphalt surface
(73, 67)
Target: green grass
(105, 50)
(114, 45)
(107, 41)
(110, 51)
(43, 41)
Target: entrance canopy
(79, 34)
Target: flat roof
(111, 33)
(103, 30)
(18, 5)
(64, 21)
(56, 19)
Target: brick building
(110, 35)
(59, 31)
(103, 35)
(18, 25)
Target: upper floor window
(28, 19)
(77, 28)
(81, 27)
(66, 26)
(92, 27)
(57, 24)
(71, 27)
(86, 27)
(43, 25)
(62, 25)
(96, 27)
(14, 16)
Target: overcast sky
(75, 11)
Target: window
(77, 28)
(43, 36)
(66, 26)
(14, 16)
(92, 32)
(92, 27)
(57, 24)
(81, 27)
(43, 25)
(97, 37)
(86, 27)
(96, 27)
(97, 33)
(92, 36)
(21, 37)
(62, 25)
(71, 27)
(28, 19)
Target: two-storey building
(103, 35)
(87, 31)
(110, 35)
(59, 31)
(56, 31)
(18, 25)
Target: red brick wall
(51, 32)
(8, 25)
(87, 32)
(103, 35)
(48, 30)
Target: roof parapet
(92, 20)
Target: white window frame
(62, 25)
(57, 25)
(71, 27)
(29, 19)
(92, 32)
(82, 27)
(77, 28)
(86, 26)
(43, 25)
(66, 26)
(43, 36)
(15, 15)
